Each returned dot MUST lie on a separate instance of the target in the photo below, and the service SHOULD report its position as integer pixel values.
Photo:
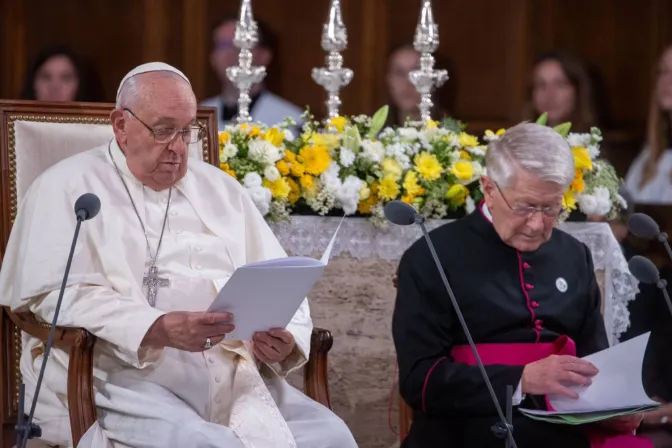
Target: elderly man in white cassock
(165, 375)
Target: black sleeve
(593, 335)
(423, 329)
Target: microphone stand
(29, 430)
(503, 428)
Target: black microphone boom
(403, 214)
(644, 226)
(646, 272)
(86, 207)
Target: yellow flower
(274, 136)
(582, 158)
(457, 194)
(331, 141)
(464, 155)
(489, 133)
(289, 156)
(407, 198)
(282, 167)
(297, 169)
(462, 170)
(225, 167)
(306, 181)
(295, 191)
(427, 166)
(364, 207)
(411, 185)
(339, 123)
(388, 189)
(577, 184)
(467, 140)
(224, 138)
(569, 201)
(364, 192)
(431, 124)
(252, 131)
(391, 168)
(280, 189)
(317, 159)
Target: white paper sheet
(267, 294)
(618, 385)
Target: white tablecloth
(309, 236)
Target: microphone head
(644, 270)
(643, 226)
(400, 213)
(87, 206)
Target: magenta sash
(517, 354)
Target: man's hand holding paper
(189, 331)
(273, 346)
(556, 374)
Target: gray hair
(131, 90)
(534, 148)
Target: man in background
(266, 107)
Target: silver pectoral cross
(153, 283)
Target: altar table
(355, 299)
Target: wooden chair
(34, 136)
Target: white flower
(408, 134)
(470, 205)
(346, 157)
(271, 173)
(348, 193)
(596, 203)
(576, 140)
(289, 135)
(252, 180)
(228, 151)
(373, 151)
(330, 179)
(454, 141)
(333, 169)
(491, 138)
(264, 152)
(593, 151)
(478, 151)
(261, 196)
(398, 152)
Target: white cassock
(222, 397)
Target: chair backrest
(33, 137)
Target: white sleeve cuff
(518, 395)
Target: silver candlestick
(427, 79)
(245, 75)
(334, 77)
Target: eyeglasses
(193, 134)
(529, 210)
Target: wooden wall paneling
(12, 47)
(374, 48)
(196, 44)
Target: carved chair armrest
(79, 343)
(315, 375)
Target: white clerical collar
(486, 212)
(120, 160)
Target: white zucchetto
(150, 67)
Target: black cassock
(506, 296)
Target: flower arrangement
(352, 165)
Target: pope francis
(171, 231)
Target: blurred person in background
(57, 74)
(563, 87)
(649, 178)
(266, 107)
(404, 98)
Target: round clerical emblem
(561, 284)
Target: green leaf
(543, 119)
(563, 129)
(378, 121)
(454, 125)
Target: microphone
(646, 272)
(87, 206)
(644, 226)
(403, 214)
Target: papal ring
(208, 343)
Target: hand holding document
(618, 388)
(267, 294)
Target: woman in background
(563, 88)
(649, 178)
(403, 95)
(56, 75)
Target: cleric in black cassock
(521, 284)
